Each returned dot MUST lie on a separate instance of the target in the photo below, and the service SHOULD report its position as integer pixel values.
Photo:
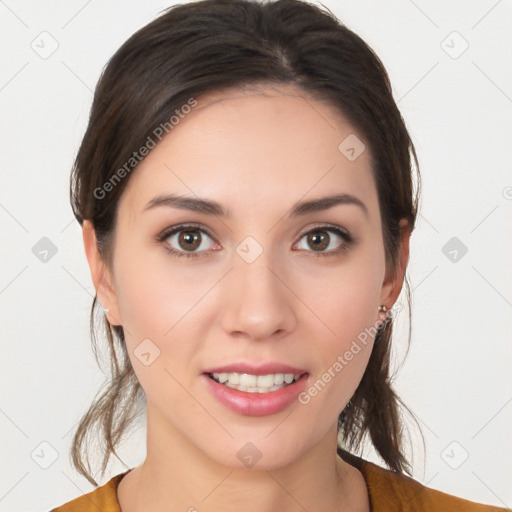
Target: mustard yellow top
(387, 492)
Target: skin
(257, 152)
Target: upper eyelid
(185, 227)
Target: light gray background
(458, 107)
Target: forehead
(254, 147)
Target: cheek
(345, 298)
(160, 305)
(347, 310)
(154, 315)
(154, 293)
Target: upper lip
(256, 369)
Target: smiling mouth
(255, 383)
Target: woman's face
(259, 284)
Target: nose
(258, 302)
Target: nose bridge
(259, 302)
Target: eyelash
(348, 239)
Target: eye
(319, 239)
(186, 239)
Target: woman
(245, 192)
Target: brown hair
(211, 45)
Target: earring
(385, 310)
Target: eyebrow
(208, 207)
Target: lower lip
(256, 404)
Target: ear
(101, 275)
(393, 284)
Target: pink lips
(256, 404)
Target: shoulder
(389, 490)
(103, 498)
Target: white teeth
(248, 381)
(256, 383)
(279, 379)
(234, 378)
(265, 381)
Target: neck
(177, 476)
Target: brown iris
(318, 239)
(189, 237)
